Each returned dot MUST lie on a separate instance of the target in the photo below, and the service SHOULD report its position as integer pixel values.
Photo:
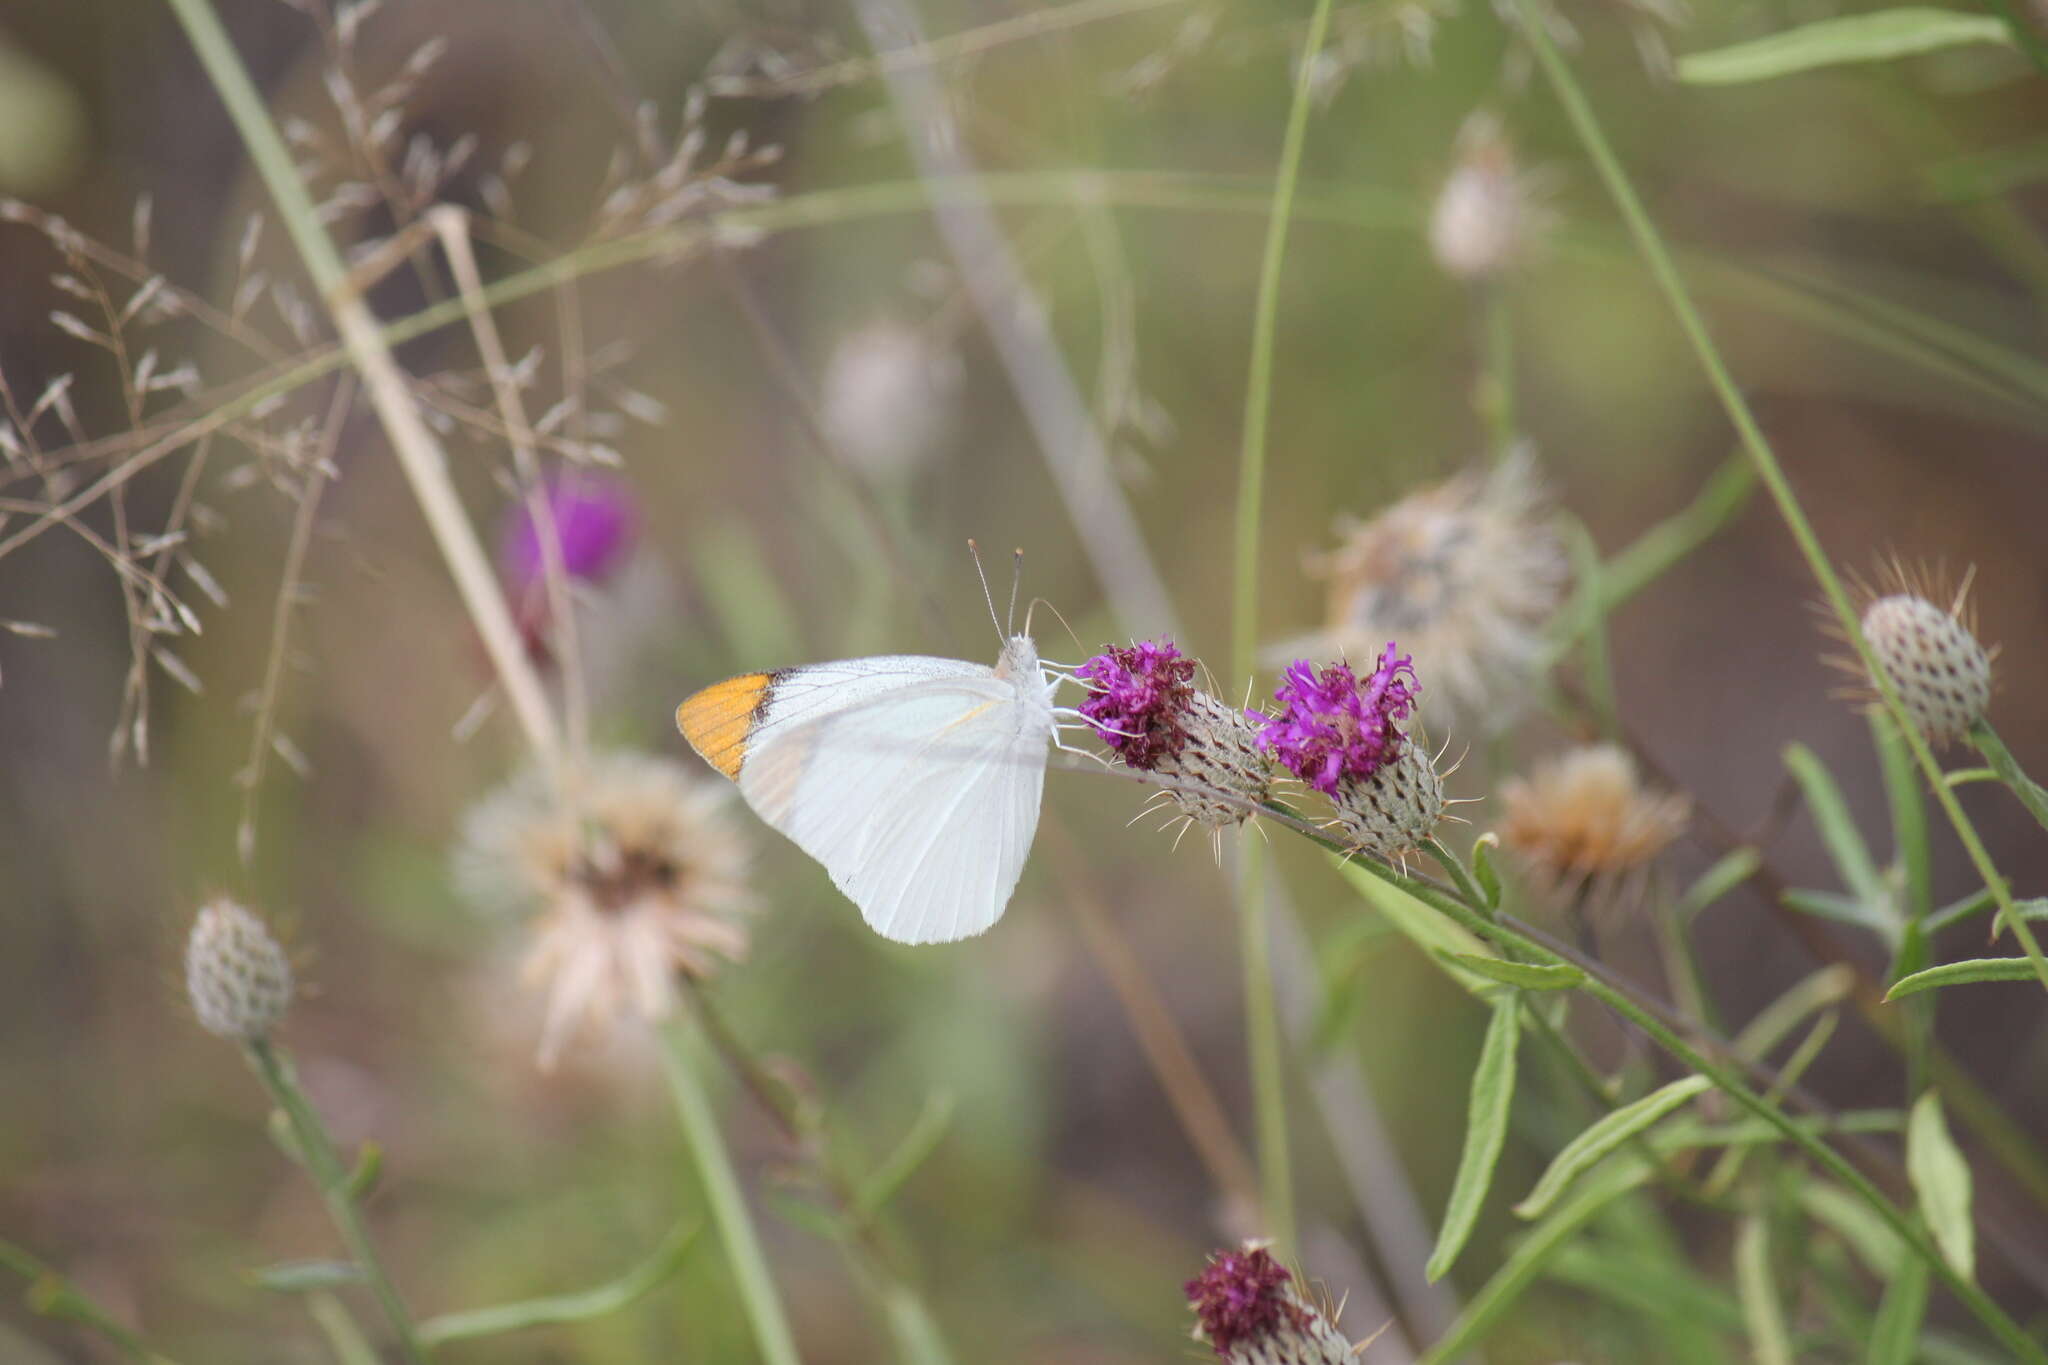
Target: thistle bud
(1940, 671)
(1248, 1312)
(237, 975)
(1342, 735)
(1143, 704)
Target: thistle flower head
(595, 522)
(1466, 574)
(1247, 1310)
(1929, 652)
(1336, 727)
(1143, 704)
(636, 875)
(1489, 213)
(1582, 823)
(238, 977)
(1138, 697)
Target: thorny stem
(316, 1151)
(758, 1294)
(1262, 1016)
(418, 453)
(1650, 244)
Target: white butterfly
(914, 780)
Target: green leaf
(1909, 814)
(1873, 1240)
(344, 1337)
(923, 1138)
(1895, 1336)
(1966, 973)
(1483, 869)
(297, 1277)
(1842, 909)
(1486, 1128)
(1428, 929)
(1838, 831)
(1825, 987)
(1730, 871)
(666, 1259)
(1608, 1133)
(1530, 976)
(1756, 1285)
(1941, 1177)
(1650, 1286)
(1882, 36)
(1528, 1259)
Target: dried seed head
(1248, 1311)
(1466, 573)
(237, 975)
(1930, 653)
(1583, 826)
(1143, 704)
(636, 876)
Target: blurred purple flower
(1335, 728)
(1241, 1297)
(1138, 700)
(595, 522)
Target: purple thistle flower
(1138, 700)
(1336, 728)
(595, 523)
(1242, 1297)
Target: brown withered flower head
(1584, 828)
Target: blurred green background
(1065, 1207)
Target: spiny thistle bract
(1930, 653)
(636, 872)
(1341, 734)
(1584, 827)
(1248, 1312)
(238, 977)
(1466, 573)
(1144, 705)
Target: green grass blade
(1838, 829)
(1731, 870)
(1963, 974)
(1909, 815)
(1486, 1129)
(606, 1298)
(1895, 1336)
(1756, 1286)
(1596, 1142)
(1883, 36)
(1941, 1177)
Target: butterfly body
(914, 780)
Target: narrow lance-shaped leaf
(1769, 1341)
(1941, 1177)
(1882, 36)
(1486, 1128)
(1838, 829)
(1587, 1149)
(1962, 974)
(1909, 814)
(1534, 976)
(591, 1303)
(1895, 1335)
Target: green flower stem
(1262, 1016)
(2007, 770)
(1512, 941)
(1650, 244)
(331, 1177)
(1497, 378)
(1451, 863)
(758, 1294)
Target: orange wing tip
(718, 719)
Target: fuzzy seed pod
(237, 975)
(1248, 1311)
(1942, 674)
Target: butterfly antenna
(986, 595)
(1034, 605)
(1016, 580)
